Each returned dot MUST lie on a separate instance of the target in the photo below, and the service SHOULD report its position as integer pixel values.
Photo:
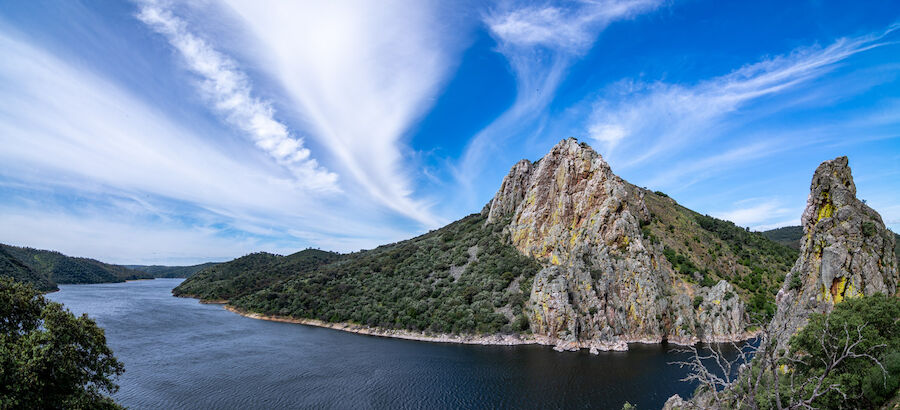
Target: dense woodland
(462, 278)
(251, 273)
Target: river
(179, 353)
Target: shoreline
(594, 347)
(497, 339)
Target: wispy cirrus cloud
(361, 74)
(230, 92)
(109, 159)
(540, 42)
(646, 120)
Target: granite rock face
(603, 284)
(846, 251)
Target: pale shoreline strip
(496, 339)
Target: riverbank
(502, 340)
(595, 347)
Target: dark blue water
(179, 353)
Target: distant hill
(791, 235)
(250, 273)
(788, 235)
(54, 267)
(160, 271)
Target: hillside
(159, 271)
(462, 278)
(250, 273)
(704, 250)
(787, 236)
(566, 250)
(12, 267)
(62, 269)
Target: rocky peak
(846, 251)
(602, 284)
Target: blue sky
(182, 132)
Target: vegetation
(250, 273)
(59, 268)
(49, 358)
(704, 250)
(13, 268)
(462, 278)
(788, 235)
(846, 359)
(158, 271)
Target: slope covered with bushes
(62, 269)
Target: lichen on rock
(603, 284)
(846, 251)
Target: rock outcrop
(846, 252)
(603, 284)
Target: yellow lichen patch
(574, 238)
(717, 301)
(838, 288)
(554, 260)
(826, 210)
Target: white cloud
(760, 214)
(658, 118)
(230, 92)
(568, 29)
(361, 73)
(540, 43)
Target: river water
(179, 353)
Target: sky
(162, 132)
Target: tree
(49, 358)
(847, 358)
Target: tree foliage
(847, 359)
(49, 358)
(462, 278)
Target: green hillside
(159, 271)
(250, 273)
(788, 235)
(704, 250)
(63, 269)
(460, 278)
(10, 266)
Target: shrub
(697, 301)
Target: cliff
(845, 252)
(603, 282)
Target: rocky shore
(495, 339)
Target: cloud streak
(653, 119)
(361, 74)
(230, 92)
